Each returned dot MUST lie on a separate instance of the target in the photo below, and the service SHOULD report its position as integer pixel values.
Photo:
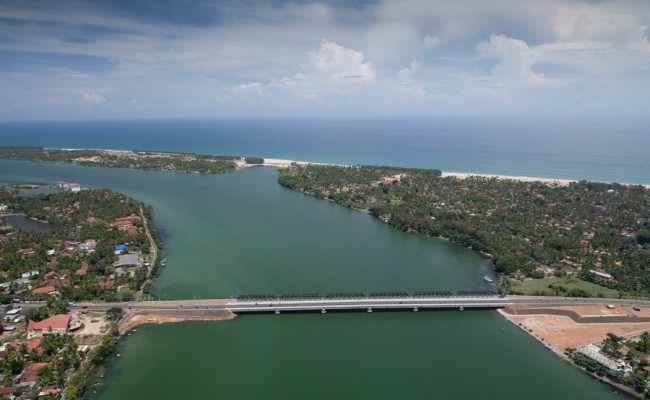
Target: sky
(102, 59)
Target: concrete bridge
(417, 301)
(374, 301)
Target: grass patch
(561, 287)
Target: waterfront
(242, 232)
(559, 148)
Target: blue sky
(75, 59)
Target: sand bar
(283, 163)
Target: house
(75, 187)
(3, 208)
(119, 248)
(63, 184)
(33, 345)
(107, 285)
(57, 324)
(88, 246)
(45, 290)
(11, 315)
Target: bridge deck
(368, 304)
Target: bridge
(376, 301)
(360, 301)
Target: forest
(139, 159)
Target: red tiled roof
(43, 290)
(33, 345)
(36, 366)
(60, 321)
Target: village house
(45, 290)
(57, 324)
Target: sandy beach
(283, 163)
(463, 175)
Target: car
(610, 306)
(636, 308)
(71, 304)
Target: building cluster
(73, 187)
(33, 363)
(594, 353)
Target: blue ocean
(597, 149)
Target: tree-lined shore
(596, 232)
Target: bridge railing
(289, 297)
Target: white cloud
(333, 68)
(431, 41)
(93, 98)
(393, 54)
(515, 61)
(336, 62)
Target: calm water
(23, 222)
(599, 149)
(242, 232)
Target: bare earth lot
(562, 331)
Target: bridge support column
(415, 309)
(277, 312)
(369, 309)
(323, 311)
(460, 308)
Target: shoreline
(284, 163)
(562, 356)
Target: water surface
(243, 233)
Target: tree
(254, 160)
(115, 311)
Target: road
(361, 304)
(155, 254)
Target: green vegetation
(74, 261)
(570, 287)
(52, 358)
(139, 159)
(635, 352)
(529, 229)
(254, 160)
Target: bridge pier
(415, 309)
(461, 308)
(369, 309)
(277, 312)
(323, 311)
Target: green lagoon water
(244, 233)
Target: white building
(593, 352)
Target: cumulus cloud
(336, 62)
(332, 68)
(515, 61)
(93, 98)
(393, 54)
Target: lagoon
(243, 233)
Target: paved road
(375, 304)
(155, 254)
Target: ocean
(595, 148)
